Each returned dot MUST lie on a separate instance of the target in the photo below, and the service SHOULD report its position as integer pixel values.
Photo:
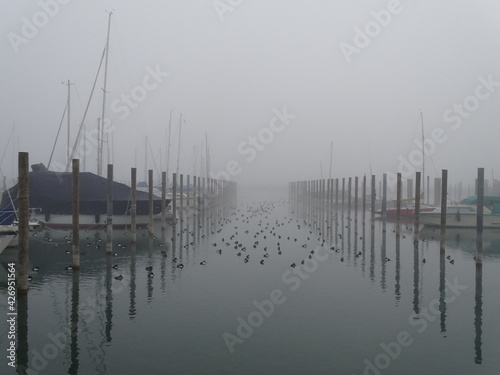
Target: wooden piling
(181, 198)
(373, 195)
(109, 218)
(76, 214)
(133, 208)
(163, 199)
(480, 215)
(150, 201)
(399, 192)
(417, 206)
(384, 195)
(23, 247)
(174, 199)
(444, 189)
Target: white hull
(7, 240)
(464, 220)
(99, 221)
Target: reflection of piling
(109, 219)
(23, 197)
(478, 316)
(479, 221)
(76, 213)
(133, 208)
(75, 307)
(150, 201)
(444, 187)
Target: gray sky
(355, 73)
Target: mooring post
(384, 195)
(133, 208)
(373, 195)
(417, 206)
(24, 230)
(76, 214)
(363, 192)
(188, 210)
(109, 218)
(349, 195)
(399, 191)
(174, 198)
(150, 201)
(163, 199)
(181, 198)
(444, 189)
(480, 214)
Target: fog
(271, 85)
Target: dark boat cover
(51, 191)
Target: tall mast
(179, 146)
(104, 92)
(69, 129)
(423, 153)
(331, 159)
(168, 143)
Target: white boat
(460, 216)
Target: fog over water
(270, 85)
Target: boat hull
(464, 220)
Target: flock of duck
(252, 231)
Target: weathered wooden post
(373, 195)
(76, 214)
(181, 198)
(363, 192)
(399, 192)
(23, 195)
(349, 195)
(384, 195)
(480, 213)
(133, 208)
(150, 201)
(163, 199)
(417, 207)
(444, 189)
(109, 218)
(174, 199)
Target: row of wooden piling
(313, 199)
(207, 194)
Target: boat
(52, 192)
(464, 214)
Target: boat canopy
(490, 201)
(52, 192)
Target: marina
(249, 187)
(244, 283)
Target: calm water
(381, 312)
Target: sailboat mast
(104, 92)
(69, 128)
(423, 153)
(168, 143)
(331, 160)
(179, 146)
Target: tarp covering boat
(490, 201)
(52, 192)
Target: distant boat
(52, 193)
(464, 214)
